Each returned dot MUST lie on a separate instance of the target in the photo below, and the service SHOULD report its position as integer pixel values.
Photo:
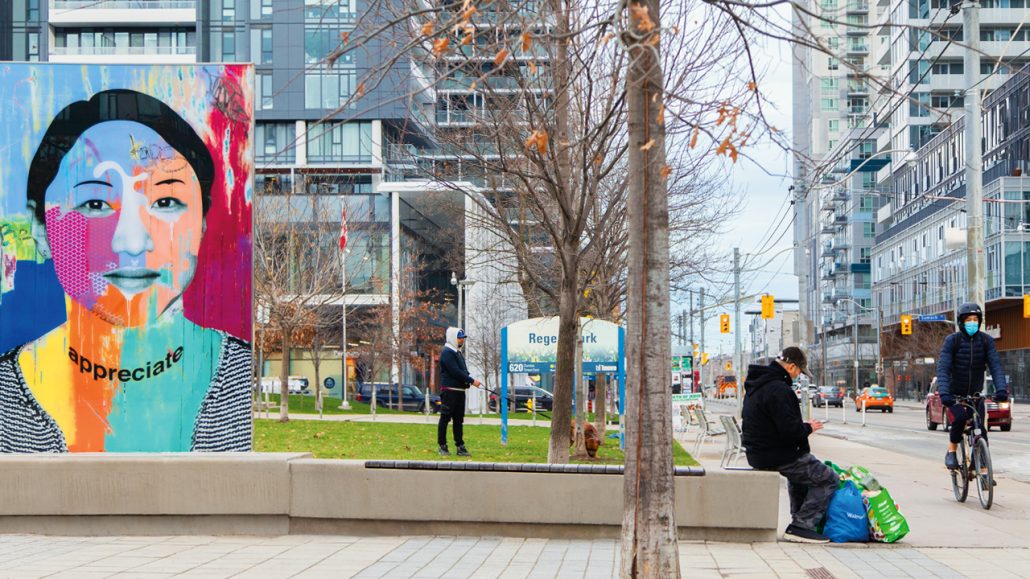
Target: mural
(125, 258)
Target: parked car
(998, 413)
(524, 398)
(829, 396)
(409, 398)
(295, 385)
(875, 398)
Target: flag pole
(344, 405)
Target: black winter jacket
(773, 432)
(453, 371)
(962, 362)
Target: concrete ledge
(273, 494)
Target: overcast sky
(762, 208)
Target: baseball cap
(461, 334)
(794, 355)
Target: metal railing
(111, 4)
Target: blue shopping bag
(846, 519)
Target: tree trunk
(284, 379)
(649, 547)
(581, 400)
(568, 335)
(600, 404)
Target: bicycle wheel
(959, 476)
(984, 473)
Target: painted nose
(131, 235)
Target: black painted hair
(115, 105)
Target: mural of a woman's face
(124, 220)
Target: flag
(343, 227)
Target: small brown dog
(592, 439)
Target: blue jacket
(962, 362)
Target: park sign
(532, 345)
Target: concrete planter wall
(272, 494)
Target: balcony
(828, 228)
(840, 219)
(858, 7)
(857, 48)
(858, 88)
(841, 195)
(117, 12)
(827, 250)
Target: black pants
(452, 407)
(810, 486)
(961, 415)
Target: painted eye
(95, 208)
(168, 204)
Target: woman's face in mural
(124, 218)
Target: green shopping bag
(886, 523)
(842, 474)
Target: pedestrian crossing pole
(736, 330)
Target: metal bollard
(863, 413)
(826, 409)
(843, 411)
(534, 407)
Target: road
(905, 432)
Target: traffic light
(724, 323)
(697, 351)
(1026, 305)
(906, 325)
(729, 366)
(768, 307)
(704, 358)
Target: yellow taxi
(875, 398)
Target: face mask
(971, 327)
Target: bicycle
(974, 459)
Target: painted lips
(132, 280)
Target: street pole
(975, 264)
(701, 311)
(344, 405)
(736, 329)
(822, 367)
(879, 345)
(855, 331)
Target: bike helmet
(969, 309)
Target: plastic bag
(842, 474)
(864, 478)
(846, 519)
(886, 523)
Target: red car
(998, 413)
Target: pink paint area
(220, 294)
(82, 249)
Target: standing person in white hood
(454, 381)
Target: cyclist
(964, 357)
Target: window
(833, 125)
(948, 68)
(261, 45)
(946, 101)
(868, 180)
(830, 85)
(274, 142)
(917, 71)
(865, 203)
(340, 142)
(868, 230)
(265, 96)
(228, 46)
(833, 42)
(328, 91)
(917, 104)
(228, 10)
(33, 47)
(988, 68)
(865, 149)
(828, 104)
(866, 255)
(831, 145)
(832, 63)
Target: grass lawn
(391, 441)
(300, 404)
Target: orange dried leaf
(472, 87)
(501, 57)
(538, 140)
(639, 15)
(598, 160)
(733, 152)
(527, 42)
(721, 150)
(532, 67)
(360, 90)
(344, 36)
(440, 45)
(647, 146)
(606, 38)
(427, 29)
(660, 119)
(655, 39)
(693, 139)
(666, 171)
(752, 86)
(466, 40)
(468, 13)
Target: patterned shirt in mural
(222, 424)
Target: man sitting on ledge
(776, 438)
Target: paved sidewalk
(413, 418)
(459, 557)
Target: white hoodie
(452, 338)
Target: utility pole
(975, 263)
(701, 311)
(736, 329)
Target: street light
(879, 359)
(461, 285)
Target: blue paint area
(35, 307)
(157, 414)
